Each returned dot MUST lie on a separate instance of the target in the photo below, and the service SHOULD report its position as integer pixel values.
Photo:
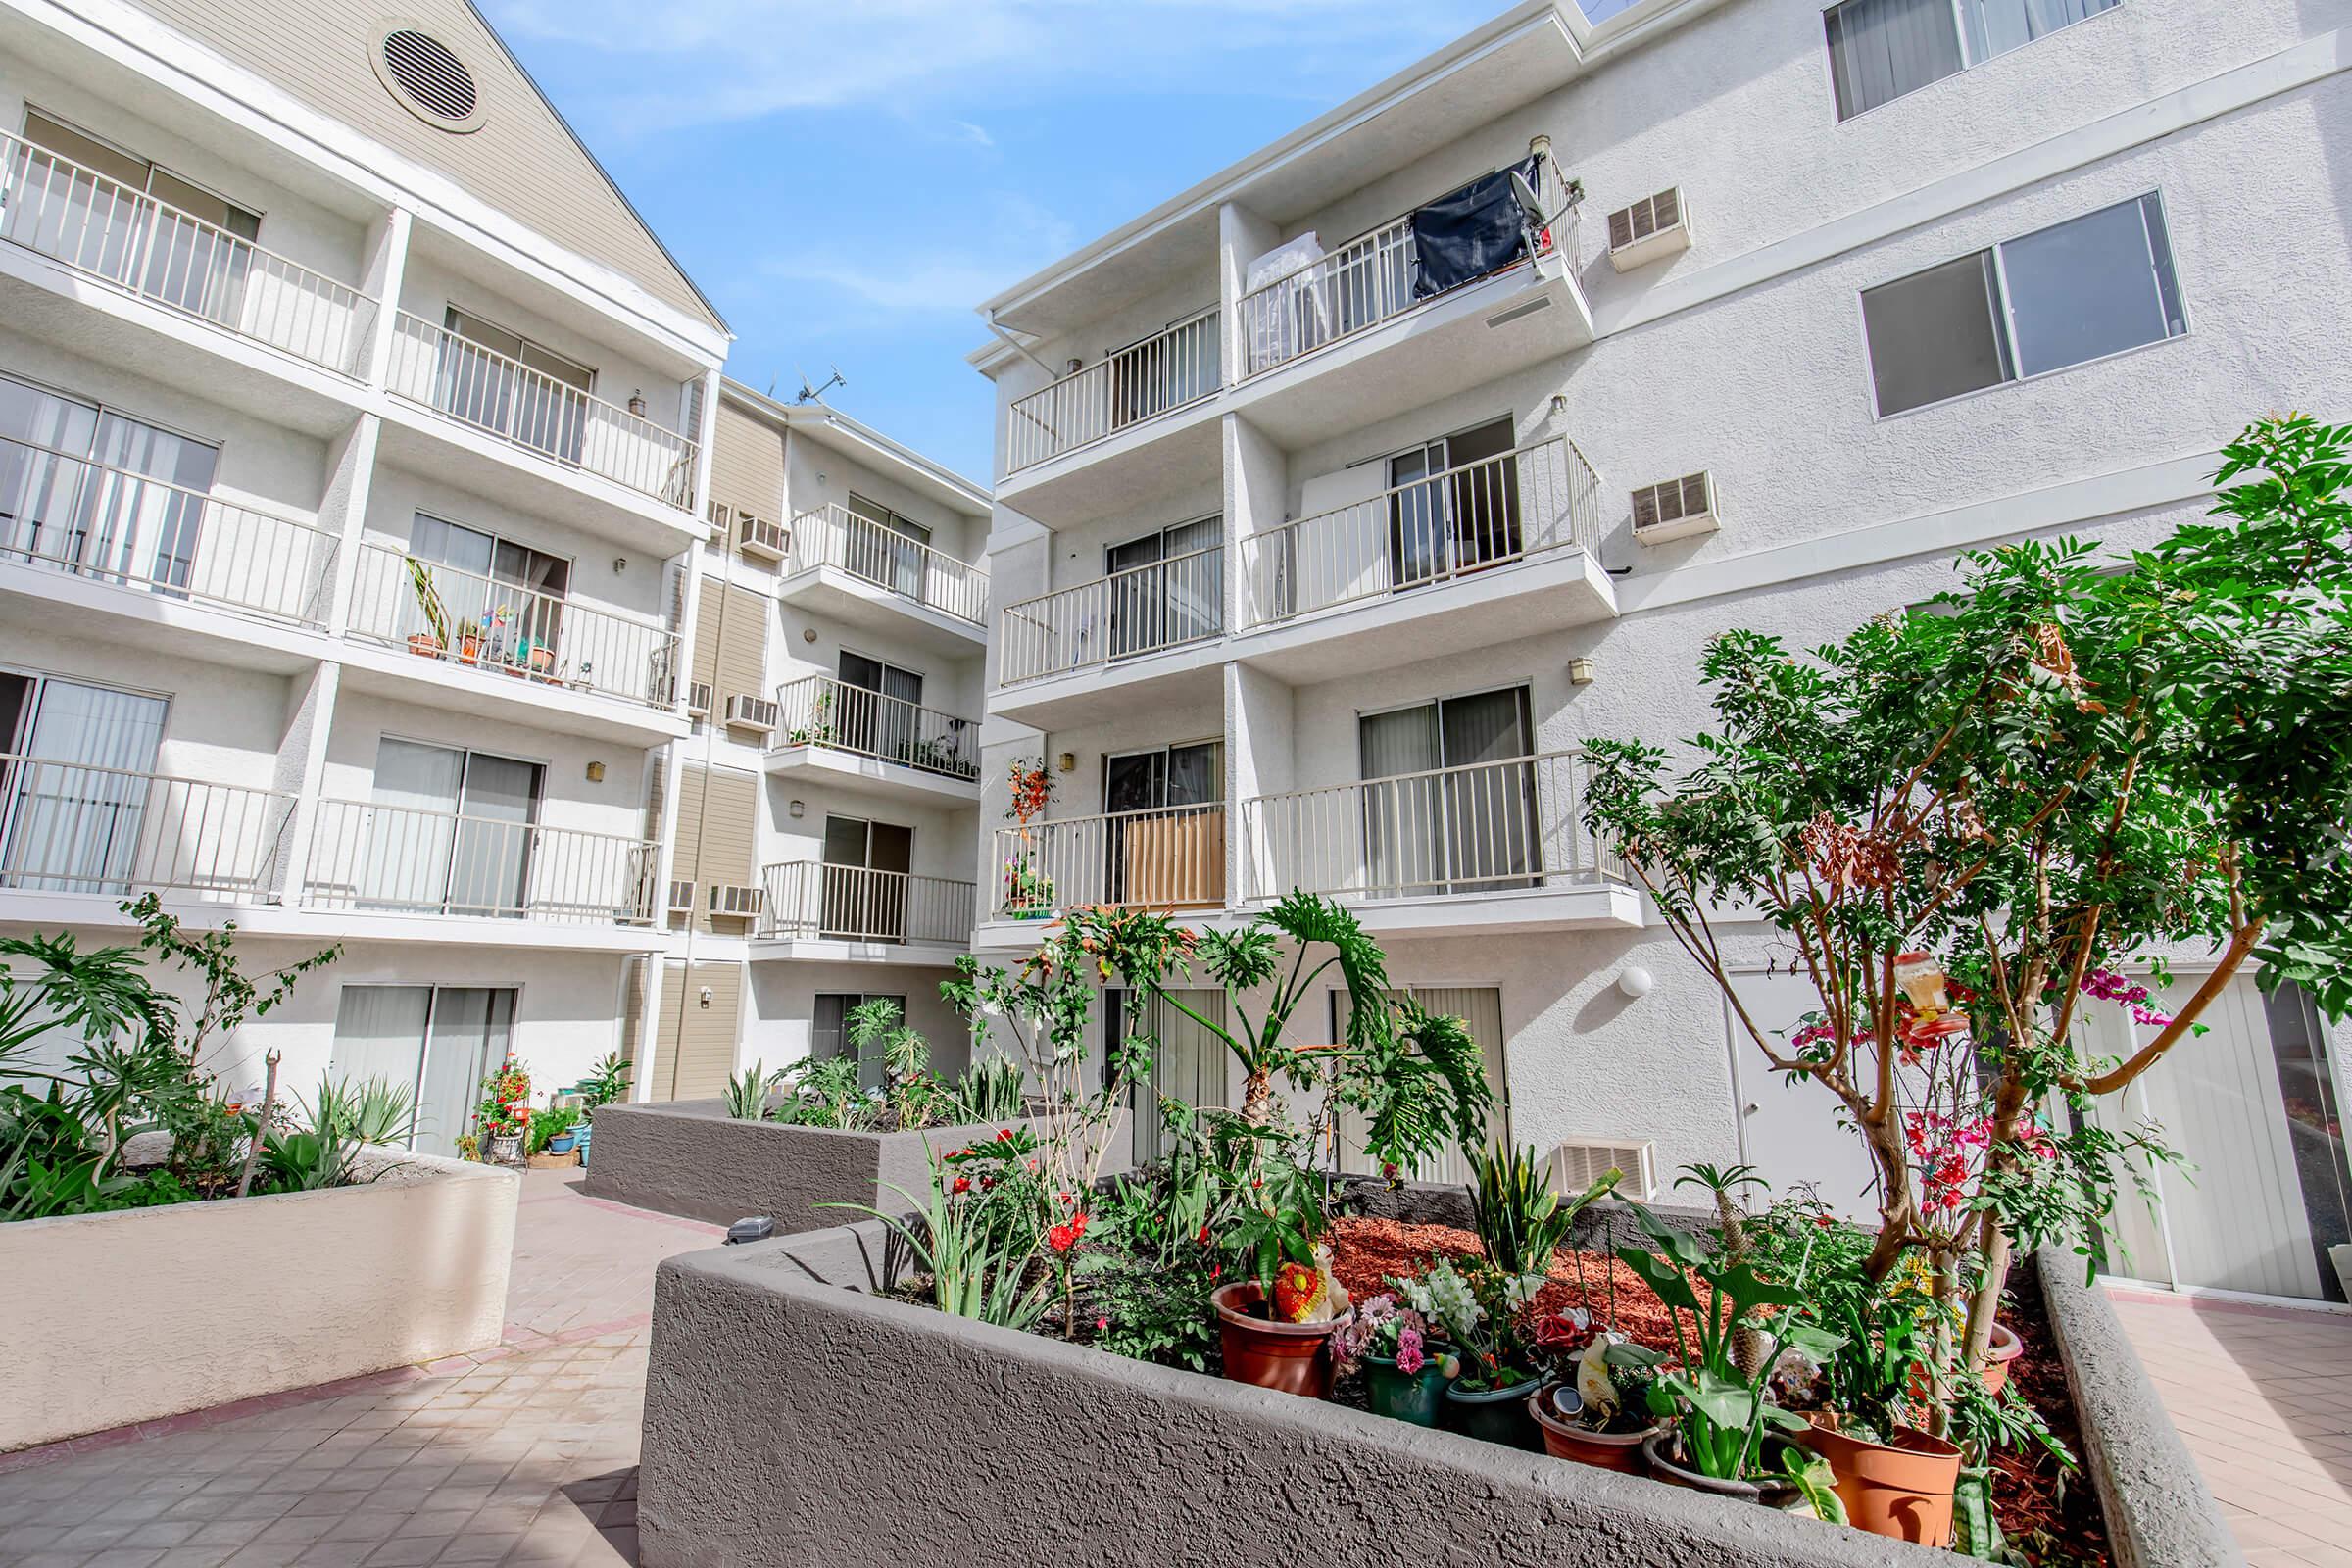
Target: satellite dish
(1528, 201)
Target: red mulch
(2050, 1520)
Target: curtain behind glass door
(1418, 522)
(1490, 810)
(405, 864)
(1404, 830)
(132, 530)
(1195, 592)
(490, 869)
(380, 1033)
(1138, 598)
(41, 490)
(78, 806)
(472, 1027)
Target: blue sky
(847, 178)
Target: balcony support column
(1242, 237)
(343, 513)
(387, 270)
(1257, 482)
(301, 772)
(1260, 718)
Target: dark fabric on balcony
(1478, 229)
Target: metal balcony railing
(1478, 516)
(66, 827)
(1166, 371)
(111, 525)
(820, 711)
(1487, 827)
(835, 536)
(1141, 609)
(1372, 278)
(480, 387)
(1166, 857)
(502, 629)
(105, 230)
(402, 860)
(856, 904)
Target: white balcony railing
(82, 220)
(1374, 277)
(403, 860)
(505, 630)
(854, 904)
(820, 711)
(1168, 856)
(835, 536)
(1166, 371)
(480, 387)
(1141, 609)
(66, 827)
(1469, 519)
(109, 525)
(1487, 827)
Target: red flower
(964, 1184)
(1005, 1135)
(1201, 1240)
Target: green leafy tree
(2072, 765)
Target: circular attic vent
(428, 79)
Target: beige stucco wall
(125, 1317)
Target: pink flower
(1409, 1355)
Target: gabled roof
(829, 427)
(523, 158)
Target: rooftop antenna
(810, 394)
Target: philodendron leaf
(1815, 1482)
(1661, 1276)
(1814, 1343)
(1747, 1290)
(1631, 1354)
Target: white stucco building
(1319, 548)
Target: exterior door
(1164, 827)
(1188, 1063)
(1418, 515)
(75, 792)
(1449, 795)
(1450, 510)
(452, 830)
(879, 708)
(1480, 1007)
(437, 1042)
(829, 1033)
(866, 865)
(1138, 607)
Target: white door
(1788, 1128)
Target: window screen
(1935, 334)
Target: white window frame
(2006, 324)
(1829, 68)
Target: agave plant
(989, 1090)
(371, 1111)
(746, 1092)
(1517, 1215)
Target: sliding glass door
(76, 805)
(1164, 830)
(1450, 509)
(1449, 795)
(866, 866)
(452, 830)
(437, 1042)
(57, 509)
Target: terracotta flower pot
(1294, 1357)
(421, 643)
(2005, 1348)
(1494, 1416)
(1564, 1439)
(1414, 1397)
(1662, 1450)
(1901, 1490)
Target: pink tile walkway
(2263, 1396)
(525, 1454)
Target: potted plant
(1600, 1413)
(1497, 1362)
(1276, 1327)
(1028, 892)
(503, 1119)
(1402, 1356)
(432, 643)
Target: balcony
(807, 902)
(1375, 341)
(522, 410)
(395, 860)
(857, 571)
(1075, 654)
(104, 833)
(1122, 404)
(197, 275)
(1165, 857)
(1490, 551)
(868, 743)
(120, 541)
(494, 632)
(1492, 848)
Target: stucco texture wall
(131, 1316)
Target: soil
(2053, 1521)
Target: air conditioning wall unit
(751, 713)
(759, 539)
(1649, 231)
(698, 699)
(1578, 1162)
(1675, 509)
(681, 896)
(736, 903)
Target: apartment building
(1343, 495)
(353, 474)
(826, 804)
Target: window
(2080, 290)
(829, 1032)
(54, 510)
(1883, 49)
(72, 787)
(1166, 588)
(1449, 795)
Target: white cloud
(941, 276)
(724, 60)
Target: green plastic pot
(1495, 1415)
(1415, 1396)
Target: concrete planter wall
(792, 1418)
(132, 1316)
(690, 1158)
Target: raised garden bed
(766, 1442)
(141, 1314)
(689, 1157)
